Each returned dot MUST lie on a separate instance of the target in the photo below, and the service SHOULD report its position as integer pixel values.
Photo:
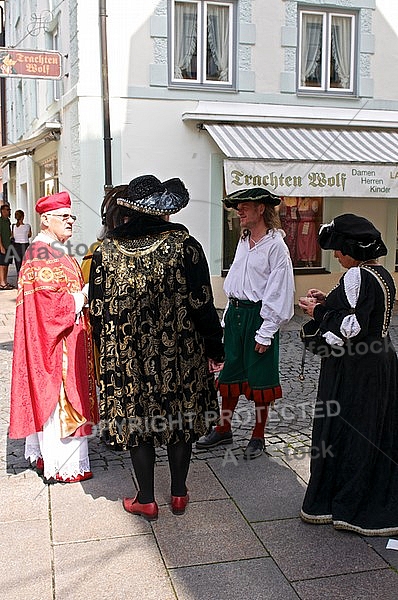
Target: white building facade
(296, 96)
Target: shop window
(300, 219)
(49, 177)
(203, 43)
(232, 233)
(327, 52)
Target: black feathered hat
(256, 194)
(147, 194)
(354, 236)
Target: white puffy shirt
(264, 273)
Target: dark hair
(112, 214)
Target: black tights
(143, 459)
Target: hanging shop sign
(313, 179)
(30, 63)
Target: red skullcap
(47, 203)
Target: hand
(214, 366)
(261, 348)
(317, 294)
(308, 305)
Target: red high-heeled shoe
(148, 510)
(179, 504)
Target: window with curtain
(203, 44)
(327, 52)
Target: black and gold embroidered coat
(155, 324)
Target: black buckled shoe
(214, 438)
(254, 448)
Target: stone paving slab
(208, 532)
(375, 585)
(25, 559)
(23, 498)
(201, 483)
(93, 509)
(300, 464)
(263, 489)
(305, 551)
(119, 569)
(390, 556)
(255, 579)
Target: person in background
(260, 291)
(354, 461)
(53, 401)
(5, 241)
(112, 215)
(154, 321)
(21, 232)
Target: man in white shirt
(260, 291)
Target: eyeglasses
(63, 217)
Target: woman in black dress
(354, 462)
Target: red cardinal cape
(46, 332)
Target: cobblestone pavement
(288, 430)
(289, 421)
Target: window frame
(45, 177)
(201, 82)
(327, 18)
(55, 47)
(53, 43)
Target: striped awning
(305, 144)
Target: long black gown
(354, 462)
(155, 324)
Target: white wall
(385, 59)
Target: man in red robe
(53, 400)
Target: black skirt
(354, 462)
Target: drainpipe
(105, 98)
